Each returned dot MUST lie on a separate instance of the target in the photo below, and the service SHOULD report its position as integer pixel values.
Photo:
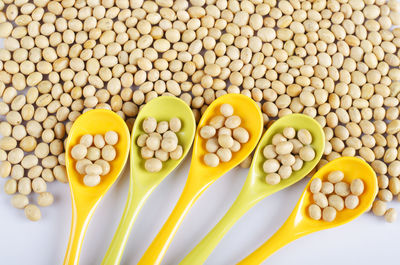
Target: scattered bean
(32, 212)
(45, 199)
(19, 201)
(379, 208)
(390, 215)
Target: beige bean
(19, 201)
(149, 125)
(328, 214)
(105, 166)
(272, 179)
(24, 186)
(175, 124)
(337, 202)
(29, 161)
(81, 165)
(93, 153)
(32, 212)
(271, 166)
(316, 185)
(153, 165)
(99, 141)
(233, 122)
(298, 164)
(111, 137)
(91, 180)
(304, 136)
(269, 152)
(335, 176)
(394, 185)
(385, 195)
(93, 169)
(226, 109)
(357, 187)
(342, 189)
(79, 151)
(390, 215)
(45, 199)
(307, 153)
(207, 132)
(217, 122)
(284, 148)
(211, 160)
(39, 185)
(320, 199)
(108, 153)
(7, 143)
(314, 211)
(241, 135)
(86, 140)
(379, 208)
(10, 187)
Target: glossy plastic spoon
(142, 182)
(300, 224)
(85, 199)
(255, 188)
(202, 176)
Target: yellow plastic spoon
(143, 183)
(255, 188)
(85, 199)
(201, 176)
(300, 224)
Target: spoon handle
(286, 234)
(157, 249)
(80, 221)
(135, 201)
(203, 250)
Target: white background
(366, 240)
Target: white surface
(367, 240)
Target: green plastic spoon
(142, 183)
(255, 188)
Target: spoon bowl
(202, 176)
(300, 224)
(296, 121)
(251, 121)
(142, 182)
(255, 187)
(162, 109)
(85, 199)
(352, 168)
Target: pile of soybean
(336, 61)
